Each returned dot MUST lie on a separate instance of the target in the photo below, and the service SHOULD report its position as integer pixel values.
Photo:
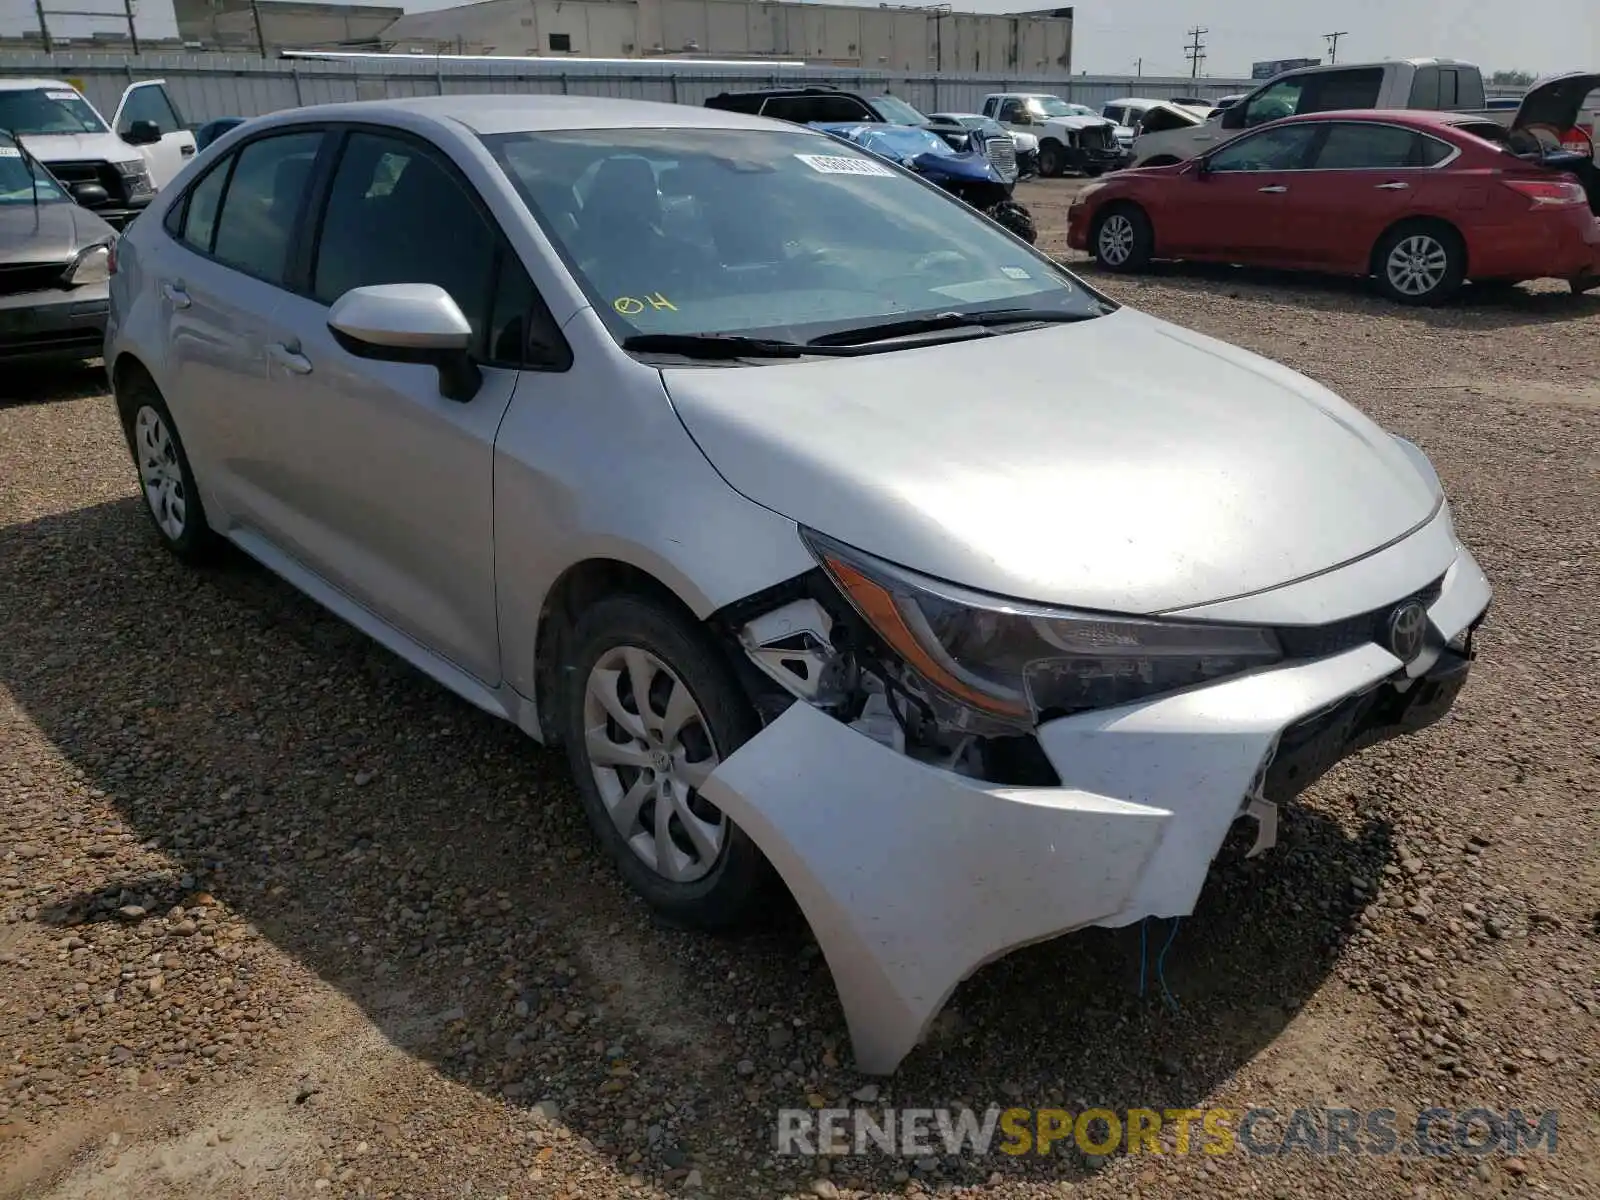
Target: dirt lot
(280, 917)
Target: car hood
(73, 147)
(1076, 122)
(1556, 101)
(48, 233)
(1120, 464)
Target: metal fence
(222, 85)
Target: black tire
(1012, 216)
(1052, 159)
(143, 409)
(738, 888)
(1420, 263)
(1122, 239)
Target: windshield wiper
(719, 345)
(950, 320)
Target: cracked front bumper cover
(913, 877)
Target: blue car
(967, 175)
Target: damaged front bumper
(912, 877)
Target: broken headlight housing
(995, 663)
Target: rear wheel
(165, 478)
(1052, 159)
(1420, 263)
(1122, 239)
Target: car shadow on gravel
(37, 383)
(431, 863)
(1479, 307)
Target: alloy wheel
(650, 750)
(1115, 242)
(1417, 265)
(160, 473)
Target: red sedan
(1419, 200)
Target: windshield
(19, 185)
(48, 110)
(776, 234)
(897, 111)
(1054, 106)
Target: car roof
(30, 85)
(1133, 100)
(508, 113)
(1415, 117)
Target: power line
(1195, 51)
(1333, 44)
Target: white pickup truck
(1426, 83)
(115, 174)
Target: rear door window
(261, 204)
(1352, 147)
(1329, 91)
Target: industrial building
(888, 37)
(240, 26)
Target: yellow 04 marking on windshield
(630, 306)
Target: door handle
(175, 294)
(289, 359)
(1392, 187)
(1204, 137)
(1274, 188)
(186, 151)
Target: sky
(1109, 36)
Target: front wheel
(1052, 160)
(1420, 264)
(1122, 239)
(650, 709)
(1010, 215)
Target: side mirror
(90, 195)
(411, 323)
(142, 133)
(1233, 116)
(1202, 168)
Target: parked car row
(771, 485)
(1419, 200)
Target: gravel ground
(278, 916)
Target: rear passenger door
(1365, 176)
(383, 486)
(220, 276)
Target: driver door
(150, 101)
(1237, 204)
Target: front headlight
(1016, 664)
(136, 177)
(92, 265)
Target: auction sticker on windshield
(10, 152)
(62, 96)
(839, 164)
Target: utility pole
(1195, 51)
(261, 37)
(1333, 44)
(133, 34)
(1138, 67)
(44, 28)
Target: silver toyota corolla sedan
(844, 542)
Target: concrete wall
(890, 39)
(222, 85)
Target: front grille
(103, 173)
(18, 279)
(1002, 154)
(1320, 641)
(1095, 137)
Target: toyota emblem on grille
(1407, 625)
